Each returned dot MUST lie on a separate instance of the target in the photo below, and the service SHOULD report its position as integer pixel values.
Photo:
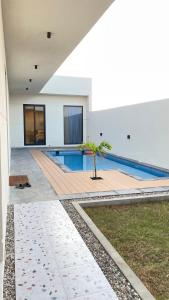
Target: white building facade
(48, 119)
(59, 114)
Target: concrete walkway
(22, 163)
(51, 259)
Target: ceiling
(25, 26)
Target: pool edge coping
(137, 284)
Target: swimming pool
(78, 161)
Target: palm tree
(96, 149)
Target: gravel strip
(9, 271)
(99, 196)
(117, 280)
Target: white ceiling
(25, 26)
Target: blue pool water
(77, 161)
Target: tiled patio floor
(80, 182)
(23, 163)
(51, 259)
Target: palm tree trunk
(94, 161)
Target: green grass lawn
(140, 233)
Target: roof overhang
(26, 24)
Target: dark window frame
(24, 110)
(64, 124)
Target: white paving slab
(51, 259)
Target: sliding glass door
(34, 125)
(73, 125)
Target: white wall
(66, 85)
(54, 116)
(148, 125)
(4, 149)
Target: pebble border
(9, 270)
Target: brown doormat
(19, 179)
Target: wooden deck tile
(80, 182)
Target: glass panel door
(29, 124)
(39, 125)
(34, 123)
(73, 125)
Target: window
(73, 125)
